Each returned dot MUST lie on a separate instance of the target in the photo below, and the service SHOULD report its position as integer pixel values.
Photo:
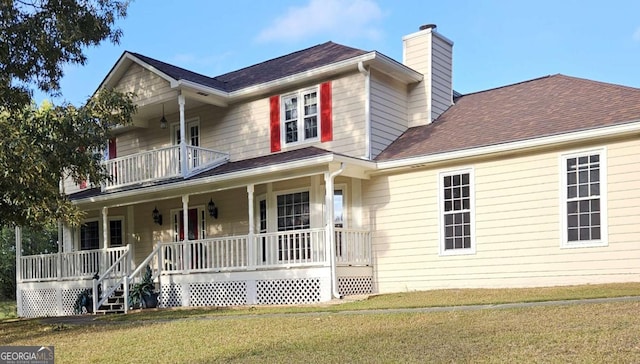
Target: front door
(192, 228)
(192, 138)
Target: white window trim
(207, 219)
(283, 132)
(604, 234)
(174, 127)
(472, 214)
(122, 222)
(79, 234)
(276, 194)
(345, 204)
(256, 210)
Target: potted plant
(84, 302)
(143, 294)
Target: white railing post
(18, 231)
(126, 294)
(95, 295)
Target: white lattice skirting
(283, 287)
(41, 301)
(349, 286)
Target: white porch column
(105, 239)
(183, 143)
(185, 233)
(328, 221)
(251, 244)
(131, 235)
(105, 227)
(18, 270)
(60, 248)
(18, 254)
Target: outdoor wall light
(163, 122)
(213, 210)
(157, 218)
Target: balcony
(160, 164)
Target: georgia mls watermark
(26, 355)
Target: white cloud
(636, 35)
(345, 18)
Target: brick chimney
(429, 53)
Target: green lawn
(7, 309)
(602, 332)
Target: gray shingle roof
(545, 106)
(273, 69)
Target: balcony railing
(160, 164)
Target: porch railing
(217, 254)
(290, 248)
(353, 247)
(159, 164)
(79, 264)
(234, 253)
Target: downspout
(331, 231)
(367, 109)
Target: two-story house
(335, 171)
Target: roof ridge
(169, 64)
(601, 83)
(274, 59)
(510, 85)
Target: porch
(289, 267)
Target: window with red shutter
(304, 116)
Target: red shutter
(326, 121)
(274, 102)
(112, 148)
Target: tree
(43, 146)
(38, 37)
(34, 241)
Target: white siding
(429, 53)
(388, 111)
(517, 227)
(147, 86)
(441, 76)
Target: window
(303, 116)
(293, 211)
(116, 233)
(583, 189)
(339, 219)
(263, 226)
(300, 117)
(192, 138)
(457, 212)
(293, 214)
(90, 235)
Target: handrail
(143, 264)
(96, 282)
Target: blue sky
(495, 42)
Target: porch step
(114, 304)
